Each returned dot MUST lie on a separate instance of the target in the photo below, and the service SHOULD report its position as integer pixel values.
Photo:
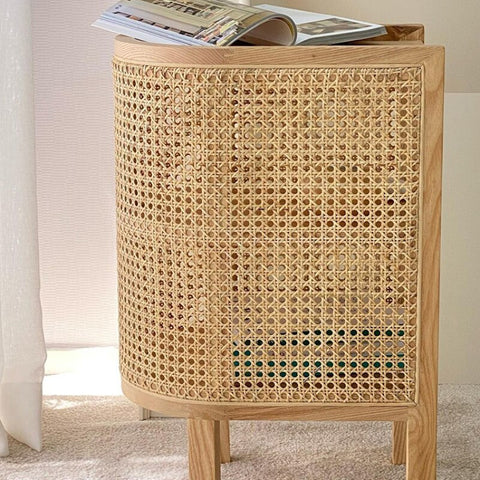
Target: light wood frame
(414, 424)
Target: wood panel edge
(260, 411)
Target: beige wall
(76, 185)
(76, 200)
(460, 275)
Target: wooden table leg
(399, 443)
(204, 449)
(422, 445)
(225, 442)
(144, 414)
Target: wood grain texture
(204, 449)
(422, 423)
(263, 411)
(225, 441)
(399, 443)
(134, 51)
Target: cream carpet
(100, 438)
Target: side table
(278, 213)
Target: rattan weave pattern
(268, 231)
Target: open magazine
(220, 23)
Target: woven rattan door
(278, 237)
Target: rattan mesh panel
(268, 224)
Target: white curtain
(22, 348)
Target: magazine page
(192, 22)
(317, 29)
(126, 18)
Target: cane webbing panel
(268, 231)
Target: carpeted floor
(101, 438)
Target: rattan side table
(278, 215)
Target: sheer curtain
(22, 349)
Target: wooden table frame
(414, 424)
